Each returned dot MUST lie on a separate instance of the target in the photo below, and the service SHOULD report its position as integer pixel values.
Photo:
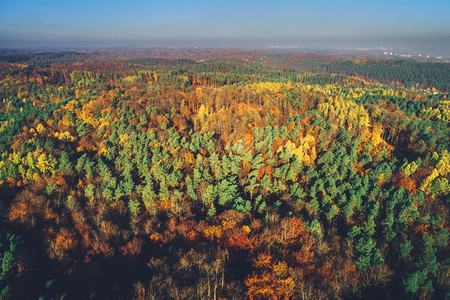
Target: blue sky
(230, 23)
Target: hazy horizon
(415, 25)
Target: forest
(201, 174)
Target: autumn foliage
(219, 174)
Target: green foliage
(65, 163)
(9, 256)
(367, 253)
(190, 169)
(408, 72)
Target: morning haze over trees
(222, 175)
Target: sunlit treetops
(220, 178)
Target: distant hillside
(408, 72)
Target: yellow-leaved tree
(344, 112)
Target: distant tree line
(407, 72)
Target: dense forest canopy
(176, 176)
(410, 73)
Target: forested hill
(124, 176)
(408, 72)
